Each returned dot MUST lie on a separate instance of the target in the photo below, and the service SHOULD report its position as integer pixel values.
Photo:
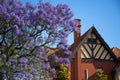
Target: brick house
(91, 53)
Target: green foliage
(100, 75)
(63, 73)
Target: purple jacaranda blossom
(73, 24)
(16, 4)
(63, 60)
(21, 33)
(21, 75)
(55, 57)
(32, 69)
(53, 71)
(40, 49)
(30, 45)
(67, 52)
(60, 60)
(16, 29)
(12, 61)
(3, 71)
(24, 73)
(28, 38)
(53, 28)
(30, 6)
(64, 41)
(3, 9)
(15, 18)
(13, 66)
(19, 12)
(46, 66)
(3, 55)
(23, 60)
(22, 22)
(64, 33)
(46, 58)
(7, 16)
(63, 44)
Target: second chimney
(77, 34)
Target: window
(92, 41)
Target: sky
(104, 14)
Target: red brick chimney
(77, 34)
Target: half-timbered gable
(94, 47)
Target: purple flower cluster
(55, 57)
(30, 6)
(63, 44)
(22, 75)
(16, 29)
(12, 61)
(3, 55)
(23, 60)
(46, 66)
(53, 71)
(64, 60)
(67, 52)
(4, 73)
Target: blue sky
(104, 14)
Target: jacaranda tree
(26, 33)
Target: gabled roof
(85, 36)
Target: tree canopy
(26, 33)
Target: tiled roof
(116, 51)
(57, 51)
(52, 51)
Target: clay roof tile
(116, 51)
